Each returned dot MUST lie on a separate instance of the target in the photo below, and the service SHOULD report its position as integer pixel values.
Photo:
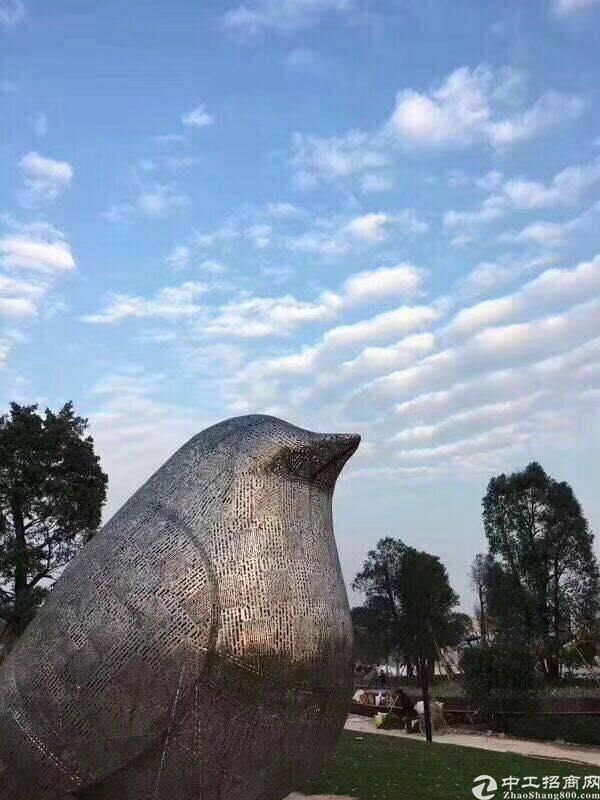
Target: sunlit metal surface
(199, 647)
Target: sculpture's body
(199, 647)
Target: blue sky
(369, 215)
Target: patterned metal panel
(199, 647)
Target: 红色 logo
(484, 787)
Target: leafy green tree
(413, 589)
(413, 594)
(428, 617)
(373, 635)
(379, 581)
(52, 490)
(543, 584)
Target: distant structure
(200, 646)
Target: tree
(52, 490)
(543, 583)
(428, 618)
(480, 581)
(412, 590)
(379, 581)
(373, 636)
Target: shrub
(500, 677)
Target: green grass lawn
(373, 767)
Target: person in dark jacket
(404, 706)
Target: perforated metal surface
(199, 647)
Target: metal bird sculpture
(199, 646)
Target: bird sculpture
(199, 647)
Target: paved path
(579, 753)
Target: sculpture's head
(258, 471)
(263, 500)
(258, 446)
(297, 455)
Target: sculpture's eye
(318, 461)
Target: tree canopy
(542, 582)
(414, 600)
(52, 490)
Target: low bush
(500, 677)
(576, 729)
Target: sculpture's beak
(320, 460)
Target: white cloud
(40, 253)
(283, 210)
(470, 390)
(255, 317)
(455, 113)
(118, 213)
(334, 237)
(259, 235)
(134, 430)
(44, 178)
(316, 159)
(11, 12)
(564, 7)
(488, 276)
(249, 316)
(566, 188)
(19, 298)
(490, 181)
(468, 107)
(550, 110)
(198, 117)
(326, 365)
(521, 194)
(550, 290)
(212, 267)
(179, 258)
(471, 106)
(253, 19)
(160, 201)
(30, 253)
(531, 397)
(381, 327)
(542, 233)
(368, 227)
(489, 349)
(383, 283)
(287, 226)
(491, 209)
(17, 307)
(169, 303)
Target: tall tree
(544, 583)
(379, 581)
(480, 568)
(51, 494)
(413, 590)
(428, 617)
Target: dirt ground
(582, 754)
